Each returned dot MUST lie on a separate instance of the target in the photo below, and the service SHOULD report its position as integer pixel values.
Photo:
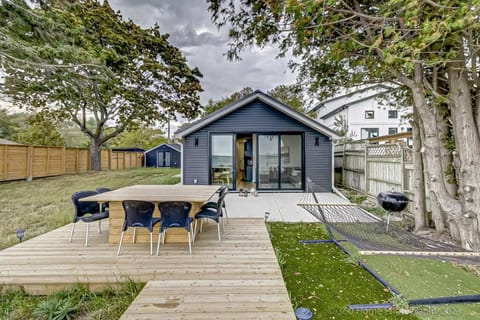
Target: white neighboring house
(364, 112)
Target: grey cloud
(189, 25)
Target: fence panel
(25, 162)
(372, 169)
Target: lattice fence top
(384, 150)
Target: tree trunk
(431, 153)
(467, 146)
(95, 155)
(419, 181)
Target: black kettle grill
(392, 202)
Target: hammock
(369, 233)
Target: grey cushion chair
(175, 214)
(138, 214)
(86, 211)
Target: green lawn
(320, 277)
(44, 204)
(422, 278)
(323, 279)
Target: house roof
(132, 149)
(257, 95)
(173, 146)
(383, 89)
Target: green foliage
(75, 303)
(55, 308)
(145, 138)
(78, 59)
(40, 131)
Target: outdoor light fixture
(317, 141)
(20, 233)
(196, 142)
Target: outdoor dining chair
(222, 193)
(102, 190)
(88, 211)
(138, 214)
(212, 214)
(175, 214)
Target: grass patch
(44, 204)
(76, 303)
(422, 278)
(320, 277)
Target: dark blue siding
(258, 117)
(151, 156)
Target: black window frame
(369, 130)
(390, 112)
(392, 129)
(367, 114)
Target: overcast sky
(191, 30)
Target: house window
(392, 114)
(369, 133)
(392, 130)
(369, 114)
(409, 129)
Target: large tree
(430, 48)
(89, 62)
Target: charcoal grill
(392, 202)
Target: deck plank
(238, 278)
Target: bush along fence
(374, 168)
(19, 162)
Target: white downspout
(182, 163)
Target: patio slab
(281, 206)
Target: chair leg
(194, 228)
(158, 242)
(73, 230)
(225, 209)
(134, 234)
(201, 225)
(164, 236)
(189, 243)
(100, 226)
(223, 224)
(151, 243)
(86, 235)
(120, 244)
(218, 230)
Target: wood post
(30, 163)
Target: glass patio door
(221, 159)
(280, 162)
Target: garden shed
(165, 155)
(257, 142)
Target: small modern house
(163, 155)
(257, 142)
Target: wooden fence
(27, 162)
(373, 168)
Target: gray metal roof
(279, 106)
(175, 147)
(386, 88)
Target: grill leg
(388, 219)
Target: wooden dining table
(195, 194)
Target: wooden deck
(236, 279)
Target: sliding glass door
(268, 165)
(280, 162)
(221, 159)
